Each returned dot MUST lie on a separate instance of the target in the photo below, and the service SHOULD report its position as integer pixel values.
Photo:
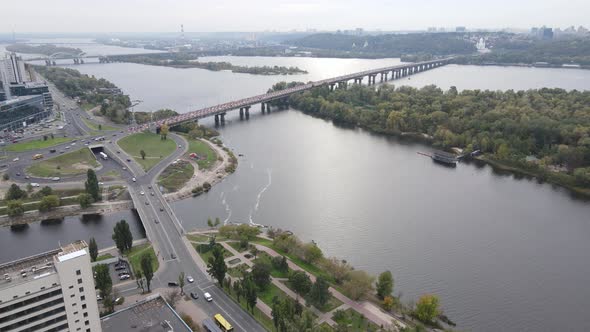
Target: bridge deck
(263, 98)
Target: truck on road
(103, 155)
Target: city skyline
(284, 15)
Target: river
(503, 253)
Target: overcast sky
(259, 15)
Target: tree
(93, 249)
(14, 193)
(237, 289)
(388, 303)
(280, 263)
(217, 222)
(384, 284)
(337, 268)
(102, 279)
(210, 223)
(29, 188)
(48, 203)
(312, 252)
(122, 236)
(188, 320)
(91, 185)
(139, 280)
(142, 153)
(427, 308)
(181, 282)
(254, 251)
(46, 191)
(5, 177)
(172, 297)
(146, 267)
(300, 281)
(261, 274)
(99, 126)
(244, 242)
(15, 208)
(319, 293)
(164, 129)
(359, 284)
(216, 266)
(249, 291)
(85, 200)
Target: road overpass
(244, 105)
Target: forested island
(186, 60)
(47, 49)
(544, 133)
(89, 90)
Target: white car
(142, 193)
(100, 183)
(208, 297)
(190, 279)
(16, 159)
(134, 179)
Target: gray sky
(258, 15)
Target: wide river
(503, 253)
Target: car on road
(142, 193)
(149, 187)
(27, 177)
(194, 295)
(172, 284)
(52, 151)
(100, 183)
(35, 185)
(128, 160)
(67, 147)
(17, 173)
(156, 221)
(124, 277)
(152, 193)
(161, 209)
(16, 159)
(134, 179)
(190, 279)
(118, 151)
(55, 179)
(62, 151)
(98, 297)
(147, 203)
(208, 297)
(173, 256)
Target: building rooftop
(150, 315)
(17, 99)
(27, 269)
(72, 250)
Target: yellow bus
(222, 323)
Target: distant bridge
(244, 105)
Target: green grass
(237, 271)
(263, 256)
(136, 252)
(37, 144)
(264, 320)
(207, 155)
(236, 245)
(155, 148)
(353, 319)
(332, 303)
(269, 293)
(205, 252)
(87, 107)
(198, 238)
(94, 126)
(175, 176)
(104, 257)
(73, 163)
(110, 175)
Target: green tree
(312, 253)
(46, 191)
(216, 266)
(358, 285)
(122, 236)
(384, 284)
(261, 274)
(217, 222)
(99, 126)
(319, 293)
(15, 208)
(147, 269)
(250, 292)
(85, 200)
(254, 251)
(48, 203)
(92, 185)
(29, 188)
(301, 282)
(93, 249)
(164, 129)
(181, 282)
(427, 308)
(15, 192)
(104, 284)
(210, 223)
(142, 153)
(237, 289)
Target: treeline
(186, 61)
(90, 90)
(42, 49)
(530, 51)
(553, 125)
(391, 45)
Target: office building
(150, 315)
(2, 92)
(20, 112)
(14, 69)
(50, 292)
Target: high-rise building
(14, 69)
(50, 292)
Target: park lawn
(72, 163)
(269, 293)
(94, 126)
(37, 144)
(332, 303)
(263, 256)
(175, 176)
(238, 270)
(207, 155)
(135, 254)
(205, 252)
(155, 148)
(350, 317)
(198, 237)
(104, 257)
(236, 245)
(112, 174)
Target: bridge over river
(244, 105)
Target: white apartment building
(49, 292)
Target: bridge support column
(247, 110)
(217, 119)
(262, 108)
(222, 118)
(241, 113)
(332, 86)
(342, 85)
